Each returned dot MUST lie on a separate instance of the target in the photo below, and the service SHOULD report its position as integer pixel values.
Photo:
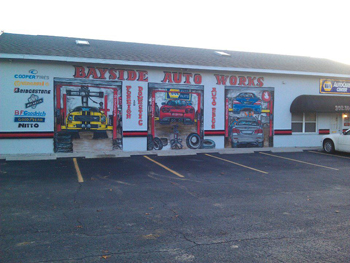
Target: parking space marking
(294, 160)
(332, 155)
(251, 168)
(166, 168)
(80, 177)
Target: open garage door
(87, 116)
(249, 117)
(175, 119)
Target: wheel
(156, 110)
(208, 144)
(164, 141)
(193, 141)
(234, 144)
(157, 143)
(260, 144)
(328, 146)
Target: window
(304, 122)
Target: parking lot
(209, 207)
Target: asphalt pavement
(209, 207)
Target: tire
(328, 146)
(208, 144)
(157, 144)
(150, 144)
(156, 110)
(234, 145)
(193, 141)
(164, 141)
(63, 138)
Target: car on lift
(246, 132)
(246, 101)
(336, 142)
(87, 118)
(176, 110)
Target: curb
(121, 154)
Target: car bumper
(81, 126)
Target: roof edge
(165, 65)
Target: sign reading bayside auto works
(335, 86)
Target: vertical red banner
(226, 117)
(58, 107)
(199, 111)
(153, 111)
(115, 113)
(106, 105)
(270, 117)
(63, 118)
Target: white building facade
(76, 104)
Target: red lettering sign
(140, 103)
(239, 80)
(128, 102)
(179, 77)
(213, 110)
(110, 73)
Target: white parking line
(294, 160)
(332, 155)
(222, 159)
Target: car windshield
(246, 95)
(81, 108)
(248, 122)
(177, 103)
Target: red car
(176, 110)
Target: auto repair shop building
(66, 95)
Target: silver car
(248, 132)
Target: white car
(336, 142)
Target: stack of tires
(63, 143)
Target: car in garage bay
(177, 110)
(246, 101)
(246, 132)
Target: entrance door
(346, 121)
(336, 124)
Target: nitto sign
(331, 86)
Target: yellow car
(87, 118)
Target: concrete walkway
(118, 154)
